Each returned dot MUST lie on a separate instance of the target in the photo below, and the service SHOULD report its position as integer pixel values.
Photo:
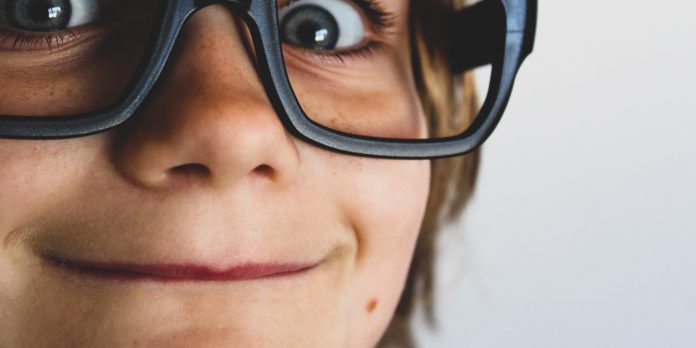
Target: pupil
(310, 27)
(39, 15)
(311, 33)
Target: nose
(209, 120)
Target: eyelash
(362, 52)
(36, 41)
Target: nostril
(264, 170)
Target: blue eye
(322, 24)
(47, 15)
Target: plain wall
(582, 232)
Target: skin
(206, 174)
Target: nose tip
(208, 139)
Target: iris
(310, 27)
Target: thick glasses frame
(496, 32)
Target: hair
(447, 100)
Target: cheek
(39, 178)
(386, 202)
(382, 112)
(34, 175)
(34, 179)
(376, 99)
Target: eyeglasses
(333, 70)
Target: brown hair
(448, 100)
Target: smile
(165, 272)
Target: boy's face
(145, 235)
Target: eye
(47, 15)
(322, 24)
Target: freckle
(370, 307)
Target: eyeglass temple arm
(477, 34)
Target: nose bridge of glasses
(240, 5)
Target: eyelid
(29, 42)
(376, 13)
(381, 23)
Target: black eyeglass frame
(502, 30)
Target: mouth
(178, 272)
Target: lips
(179, 272)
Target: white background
(582, 232)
